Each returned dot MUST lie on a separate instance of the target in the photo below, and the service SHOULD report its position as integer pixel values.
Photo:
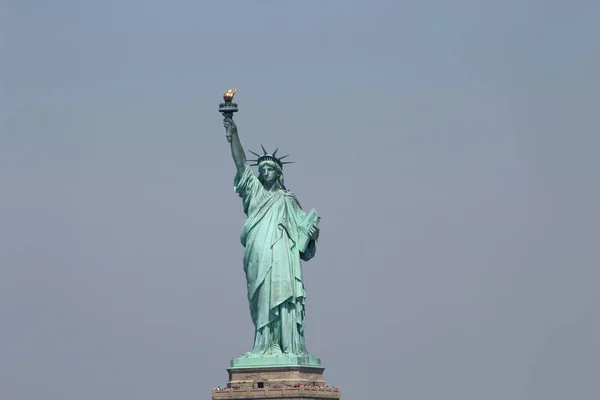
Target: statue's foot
(298, 354)
(274, 350)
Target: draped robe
(276, 293)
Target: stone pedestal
(276, 382)
(274, 377)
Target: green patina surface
(276, 361)
(277, 235)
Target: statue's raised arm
(228, 108)
(237, 151)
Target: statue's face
(268, 173)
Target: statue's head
(269, 172)
(270, 168)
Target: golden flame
(228, 96)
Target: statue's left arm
(311, 248)
(312, 233)
(310, 251)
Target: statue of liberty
(277, 235)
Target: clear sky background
(451, 148)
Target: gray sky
(450, 147)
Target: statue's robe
(272, 265)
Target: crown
(269, 157)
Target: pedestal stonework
(276, 382)
(274, 377)
(277, 394)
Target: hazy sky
(451, 148)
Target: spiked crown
(260, 158)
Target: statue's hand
(313, 231)
(230, 128)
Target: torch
(228, 107)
